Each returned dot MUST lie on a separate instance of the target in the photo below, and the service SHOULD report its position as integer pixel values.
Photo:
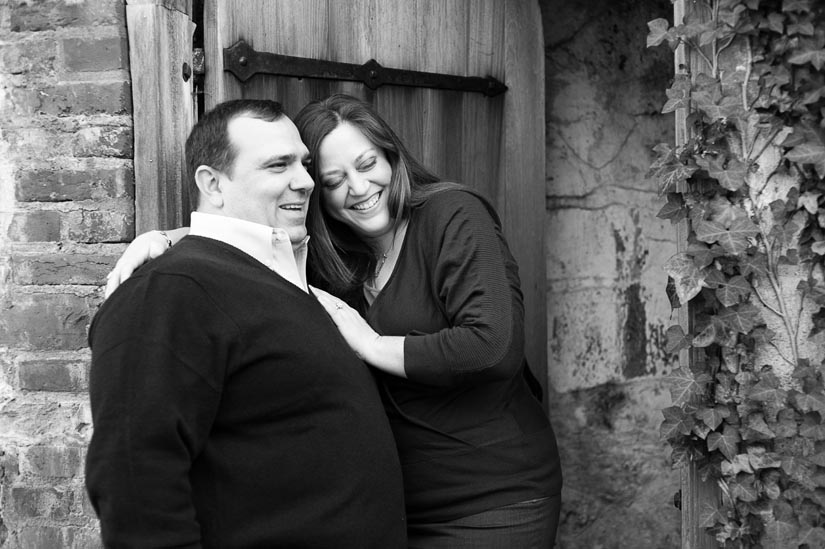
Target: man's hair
(208, 143)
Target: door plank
(160, 41)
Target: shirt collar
(271, 247)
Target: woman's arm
(383, 352)
(474, 282)
(144, 247)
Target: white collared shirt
(271, 247)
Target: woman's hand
(144, 247)
(383, 352)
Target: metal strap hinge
(244, 62)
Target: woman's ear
(209, 185)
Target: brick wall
(66, 201)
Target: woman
(425, 263)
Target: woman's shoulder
(456, 200)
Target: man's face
(268, 182)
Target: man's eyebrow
(277, 159)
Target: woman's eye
(332, 183)
(367, 165)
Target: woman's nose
(358, 186)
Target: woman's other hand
(144, 247)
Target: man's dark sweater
(229, 412)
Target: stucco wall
(606, 302)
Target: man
(228, 411)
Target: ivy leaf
(809, 201)
(734, 240)
(812, 537)
(710, 516)
(673, 176)
(713, 332)
(676, 340)
(741, 318)
(712, 417)
(732, 176)
(766, 393)
(686, 276)
(726, 442)
(757, 429)
(743, 489)
(733, 291)
(678, 95)
(815, 57)
(674, 209)
(809, 402)
(754, 264)
(802, 6)
(739, 464)
(760, 459)
(775, 22)
(658, 32)
(780, 533)
(808, 147)
(684, 385)
(677, 422)
(818, 459)
(812, 428)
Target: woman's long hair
(339, 260)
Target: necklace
(381, 262)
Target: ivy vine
(749, 185)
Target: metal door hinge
(244, 62)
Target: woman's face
(354, 175)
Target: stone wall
(606, 302)
(66, 189)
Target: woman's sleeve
(470, 281)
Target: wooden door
(495, 144)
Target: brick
(42, 226)
(45, 322)
(55, 461)
(56, 269)
(36, 56)
(28, 16)
(57, 185)
(108, 141)
(86, 98)
(45, 502)
(95, 54)
(54, 375)
(109, 224)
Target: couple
(229, 407)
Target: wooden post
(160, 42)
(697, 495)
(521, 172)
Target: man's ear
(208, 181)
